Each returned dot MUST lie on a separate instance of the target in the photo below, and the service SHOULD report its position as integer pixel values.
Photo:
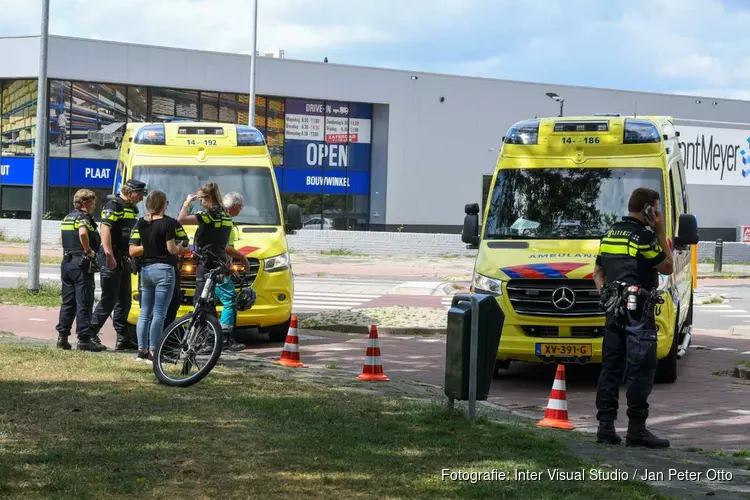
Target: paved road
(734, 313)
(311, 294)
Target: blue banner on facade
(317, 181)
(59, 172)
(327, 134)
(18, 171)
(91, 173)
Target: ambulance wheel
(278, 333)
(500, 365)
(666, 369)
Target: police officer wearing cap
(118, 217)
(80, 242)
(631, 255)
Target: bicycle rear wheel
(183, 349)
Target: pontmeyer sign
(714, 156)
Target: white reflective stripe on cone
(559, 385)
(557, 404)
(291, 347)
(373, 343)
(372, 360)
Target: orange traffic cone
(373, 368)
(290, 354)
(556, 415)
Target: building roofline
(392, 70)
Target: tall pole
(40, 156)
(252, 64)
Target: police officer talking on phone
(631, 255)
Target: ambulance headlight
(486, 285)
(276, 263)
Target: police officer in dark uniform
(215, 228)
(80, 242)
(119, 215)
(627, 275)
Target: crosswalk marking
(318, 301)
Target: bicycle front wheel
(188, 350)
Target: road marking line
(723, 349)
(740, 412)
(723, 311)
(713, 306)
(37, 319)
(336, 295)
(735, 315)
(746, 352)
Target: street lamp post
(40, 157)
(557, 98)
(252, 64)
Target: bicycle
(198, 335)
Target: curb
(724, 276)
(393, 331)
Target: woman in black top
(153, 239)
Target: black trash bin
(458, 342)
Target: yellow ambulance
(558, 184)
(178, 158)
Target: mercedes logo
(563, 298)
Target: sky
(692, 47)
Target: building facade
(357, 148)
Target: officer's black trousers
(116, 300)
(628, 352)
(77, 299)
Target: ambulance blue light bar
(151, 134)
(640, 132)
(249, 136)
(581, 126)
(523, 132)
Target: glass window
(275, 130)
(210, 106)
(59, 119)
(19, 99)
(16, 199)
(168, 104)
(137, 104)
(228, 108)
(98, 120)
(59, 202)
(563, 203)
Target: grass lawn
(85, 425)
(49, 295)
(25, 258)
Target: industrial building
(357, 148)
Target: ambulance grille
(187, 281)
(534, 297)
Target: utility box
(458, 343)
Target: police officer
(80, 242)
(631, 256)
(119, 215)
(214, 235)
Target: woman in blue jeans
(153, 240)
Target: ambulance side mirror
(687, 232)
(293, 218)
(470, 232)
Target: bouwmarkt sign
(716, 156)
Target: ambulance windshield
(563, 203)
(254, 184)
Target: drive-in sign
(716, 156)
